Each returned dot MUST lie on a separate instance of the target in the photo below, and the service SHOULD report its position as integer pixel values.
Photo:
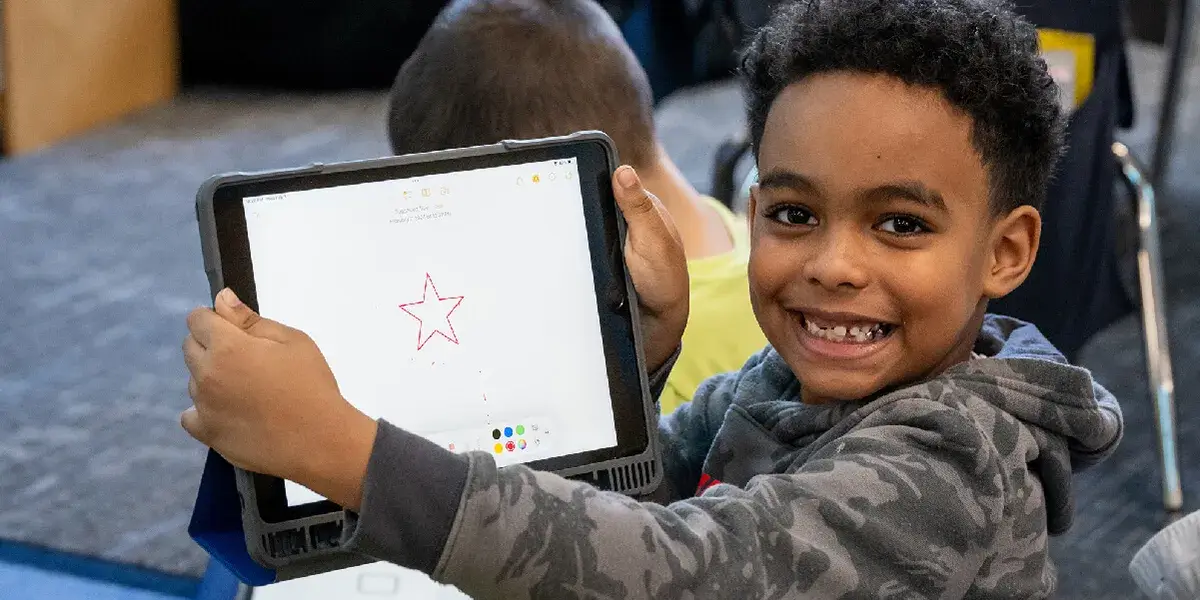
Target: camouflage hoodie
(945, 489)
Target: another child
(893, 441)
(491, 70)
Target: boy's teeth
(841, 333)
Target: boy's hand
(266, 400)
(657, 266)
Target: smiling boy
(892, 441)
(876, 248)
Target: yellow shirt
(721, 330)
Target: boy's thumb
(647, 219)
(232, 309)
(633, 199)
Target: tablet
(476, 297)
(373, 581)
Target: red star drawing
(433, 314)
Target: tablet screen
(434, 298)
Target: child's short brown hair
(501, 69)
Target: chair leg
(1154, 322)
(741, 199)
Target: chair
(1154, 320)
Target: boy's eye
(793, 215)
(903, 225)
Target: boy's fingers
(634, 200)
(205, 325)
(233, 310)
(642, 210)
(192, 353)
(191, 422)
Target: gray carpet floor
(100, 261)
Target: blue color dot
(508, 432)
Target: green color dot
(520, 430)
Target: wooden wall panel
(71, 65)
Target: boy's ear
(1014, 245)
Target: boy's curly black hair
(978, 53)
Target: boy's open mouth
(845, 331)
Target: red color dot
(510, 446)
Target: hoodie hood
(1075, 422)
(1046, 391)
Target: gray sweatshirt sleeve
(411, 480)
(899, 508)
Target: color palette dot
(495, 434)
(520, 430)
(510, 446)
(499, 448)
(508, 432)
(521, 444)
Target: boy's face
(874, 249)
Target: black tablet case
(225, 520)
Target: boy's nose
(836, 262)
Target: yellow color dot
(499, 448)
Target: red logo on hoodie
(705, 483)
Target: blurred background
(112, 113)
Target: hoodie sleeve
(897, 507)
(412, 480)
